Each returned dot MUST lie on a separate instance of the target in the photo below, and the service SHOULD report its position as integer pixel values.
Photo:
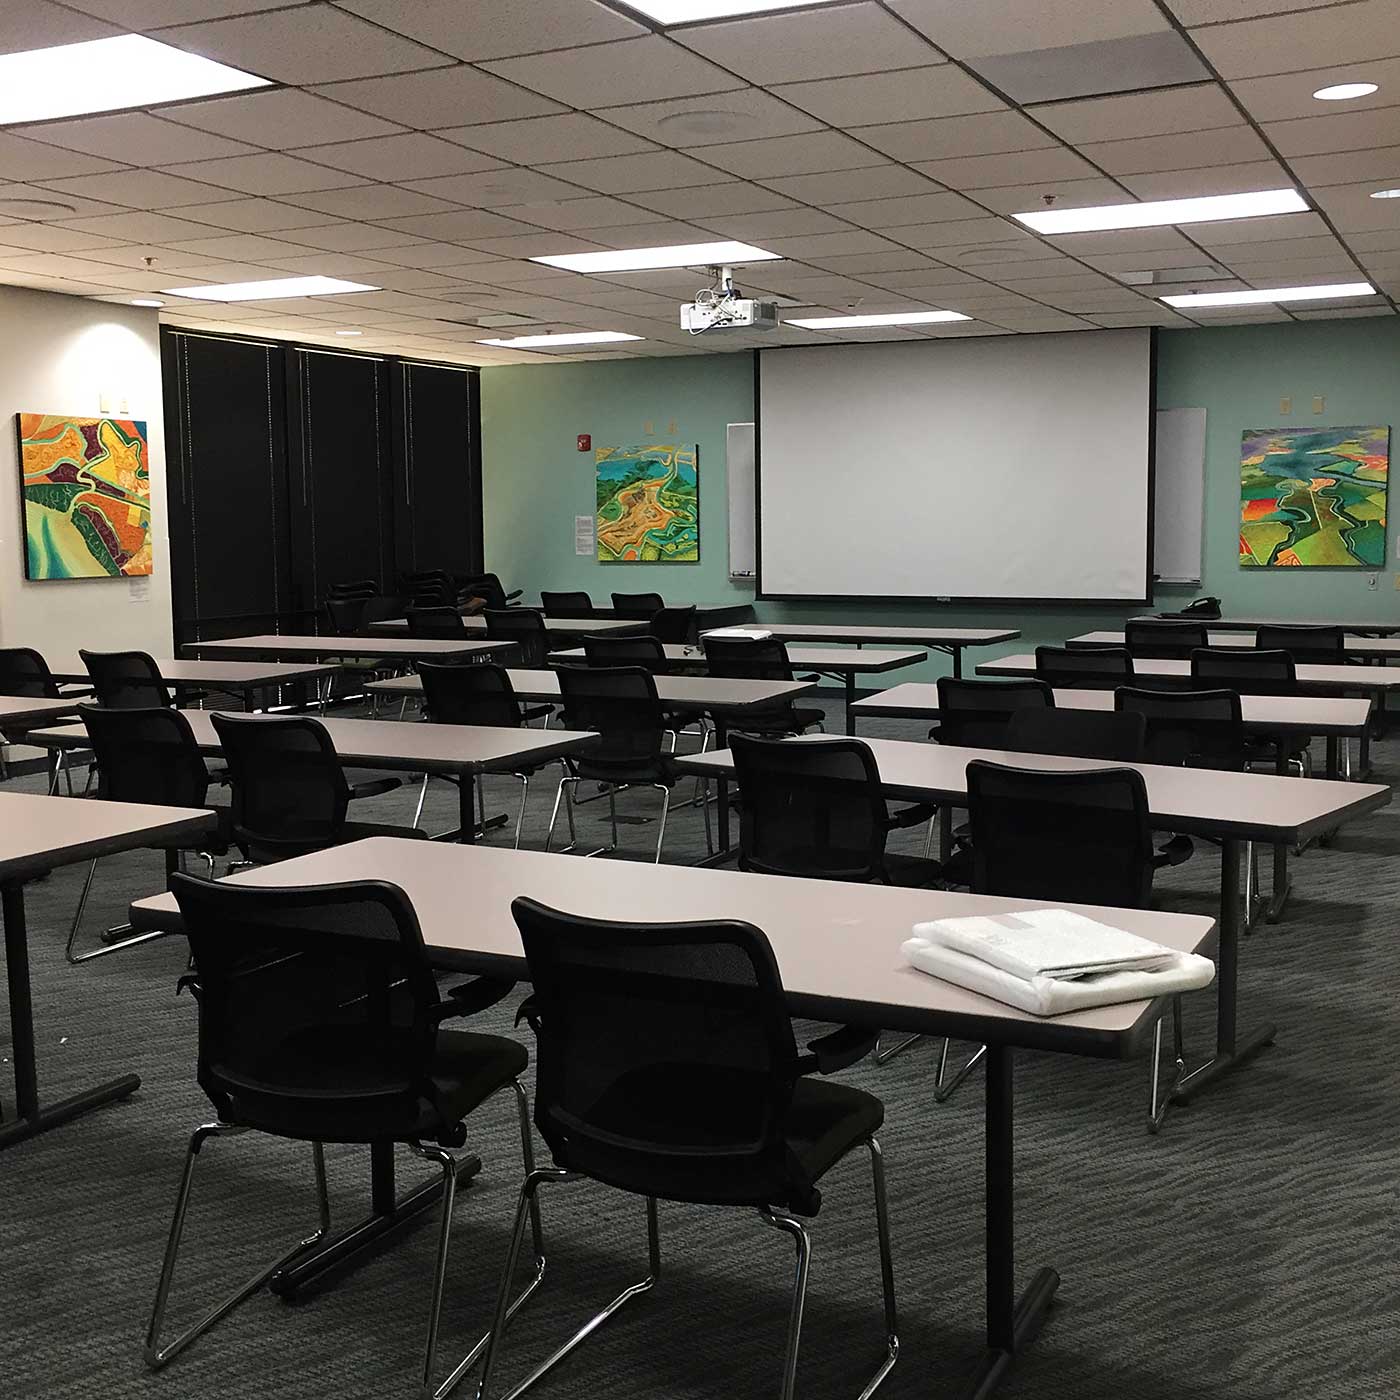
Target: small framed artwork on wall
(648, 504)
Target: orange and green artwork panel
(648, 504)
(1313, 497)
(86, 486)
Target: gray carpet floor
(1248, 1252)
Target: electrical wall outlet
(1285, 404)
(1373, 582)
(1319, 403)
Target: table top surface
(1324, 677)
(277, 644)
(1194, 801)
(915, 633)
(583, 626)
(837, 945)
(42, 833)
(703, 692)
(15, 709)
(385, 743)
(239, 674)
(1308, 714)
(1243, 641)
(1248, 624)
(841, 659)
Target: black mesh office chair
(147, 756)
(675, 625)
(576, 604)
(667, 1069)
(619, 703)
(974, 714)
(1164, 639)
(25, 673)
(523, 626)
(436, 622)
(1084, 668)
(360, 588)
(1195, 728)
(605, 649)
(1078, 733)
(429, 588)
(479, 695)
(1308, 646)
(387, 608)
(345, 615)
(126, 680)
(641, 607)
(488, 587)
(290, 794)
(1256, 673)
(760, 659)
(320, 1021)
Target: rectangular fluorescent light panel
(538, 342)
(893, 318)
(107, 75)
(1270, 296)
(1154, 213)
(679, 255)
(270, 290)
(690, 11)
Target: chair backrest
(24, 672)
(289, 794)
(488, 587)
(383, 609)
(747, 658)
(1083, 667)
(1314, 646)
(146, 756)
(345, 615)
(1078, 733)
(1248, 672)
(640, 606)
(357, 588)
(607, 650)
(974, 713)
(469, 695)
(621, 704)
(523, 626)
(566, 604)
(675, 625)
(126, 680)
(1200, 728)
(436, 622)
(665, 1061)
(1164, 638)
(1080, 838)
(315, 1007)
(813, 808)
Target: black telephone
(1208, 608)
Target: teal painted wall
(535, 482)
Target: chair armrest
(467, 998)
(911, 816)
(514, 594)
(837, 1050)
(376, 787)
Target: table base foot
(65, 1110)
(1031, 1308)
(1224, 1063)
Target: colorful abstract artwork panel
(648, 504)
(1313, 497)
(87, 496)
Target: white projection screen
(1005, 467)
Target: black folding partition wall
(292, 468)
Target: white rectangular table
(1372, 648)
(1364, 627)
(561, 626)
(838, 952)
(241, 678)
(39, 834)
(404, 649)
(952, 641)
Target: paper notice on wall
(583, 534)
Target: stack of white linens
(740, 634)
(1049, 961)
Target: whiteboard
(1179, 501)
(739, 452)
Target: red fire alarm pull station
(585, 442)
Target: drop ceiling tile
(138, 189)
(655, 170)
(1340, 313)
(50, 205)
(849, 186)
(1130, 242)
(986, 260)
(1194, 12)
(240, 247)
(307, 44)
(350, 238)
(593, 211)
(442, 97)
(414, 155)
(60, 265)
(1219, 179)
(279, 119)
(268, 173)
(746, 114)
(1285, 96)
(1347, 131)
(1352, 210)
(777, 223)
(928, 208)
(497, 188)
(1227, 146)
(1281, 249)
(1011, 26)
(702, 201)
(1376, 241)
(531, 140)
(872, 265)
(612, 75)
(131, 257)
(1198, 107)
(498, 28)
(1037, 321)
(1014, 168)
(372, 202)
(535, 244)
(1147, 316)
(36, 24)
(1264, 230)
(136, 138)
(959, 232)
(914, 94)
(658, 233)
(985, 134)
(1380, 166)
(1094, 69)
(31, 160)
(1296, 271)
(433, 255)
(1307, 39)
(51, 238)
(792, 155)
(462, 225)
(129, 227)
(1069, 194)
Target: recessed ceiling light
(893, 318)
(689, 11)
(533, 342)
(1154, 213)
(270, 290)
(1344, 92)
(1386, 194)
(106, 75)
(349, 332)
(146, 301)
(679, 255)
(1272, 295)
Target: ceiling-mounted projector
(721, 308)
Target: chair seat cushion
(358, 831)
(827, 1119)
(467, 1069)
(215, 842)
(663, 770)
(789, 720)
